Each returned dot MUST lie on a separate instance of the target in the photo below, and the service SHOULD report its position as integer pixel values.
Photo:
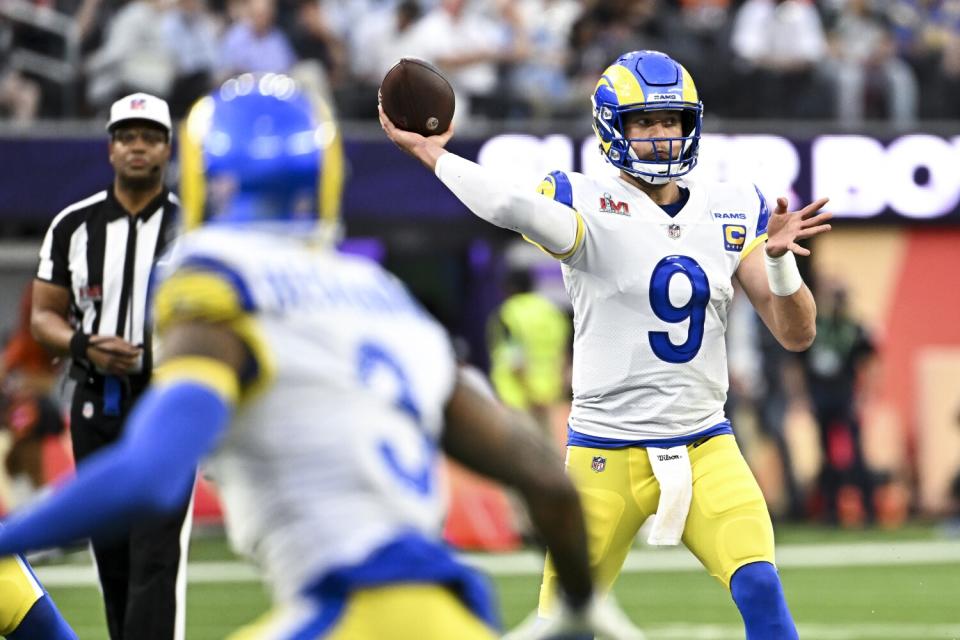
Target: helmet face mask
(647, 81)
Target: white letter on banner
(524, 159)
(852, 172)
(924, 181)
(772, 162)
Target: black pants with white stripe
(142, 573)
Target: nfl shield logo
(599, 463)
(673, 231)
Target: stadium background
(896, 191)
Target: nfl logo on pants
(599, 463)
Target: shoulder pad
(557, 186)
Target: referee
(90, 301)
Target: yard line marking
(788, 556)
(79, 575)
(847, 631)
(529, 563)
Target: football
(416, 97)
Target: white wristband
(782, 274)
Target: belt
(88, 378)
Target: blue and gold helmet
(647, 81)
(261, 149)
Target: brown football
(416, 97)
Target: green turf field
(841, 586)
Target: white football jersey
(333, 453)
(650, 295)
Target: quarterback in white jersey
(649, 258)
(636, 269)
(322, 394)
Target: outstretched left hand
(787, 227)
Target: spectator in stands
(921, 29)
(191, 34)
(385, 37)
(870, 78)
(928, 37)
(254, 43)
(610, 27)
(469, 46)
(347, 18)
(541, 80)
(133, 58)
(947, 87)
(706, 31)
(780, 46)
(313, 38)
(19, 96)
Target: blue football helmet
(261, 149)
(647, 81)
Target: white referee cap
(140, 106)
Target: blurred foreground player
(26, 611)
(648, 258)
(323, 393)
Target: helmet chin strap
(653, 176)
(655, 181)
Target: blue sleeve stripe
(206, 263)
(564, 193)
(764, 213)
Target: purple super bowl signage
(910, 178)
(907, 179)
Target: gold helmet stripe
(624, 84)
(192, 182)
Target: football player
(322, 392)
(648, 259)
(26, 610)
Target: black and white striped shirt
(104, 257)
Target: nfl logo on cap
(140, 106)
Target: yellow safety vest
(529, 333)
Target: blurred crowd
(849, 60)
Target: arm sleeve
(150, 471)
(550, 224)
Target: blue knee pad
(43, 621)
(758, 593)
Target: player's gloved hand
(601, 617)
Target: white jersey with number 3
(650, 296)
(332, 453)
